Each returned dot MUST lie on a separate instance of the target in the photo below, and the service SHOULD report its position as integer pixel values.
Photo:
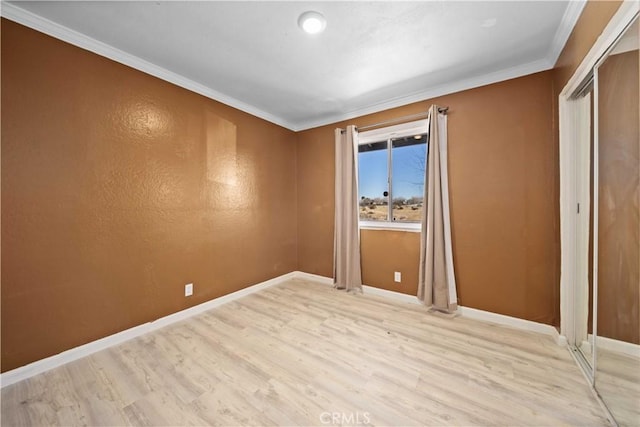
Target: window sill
(410, 227)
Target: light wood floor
(618, 382)
(304, 354)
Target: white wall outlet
(188, 289)
(397, 276)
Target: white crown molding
(36, 22)
(21, 16)
(621, 19)
(569, 19)
(436, 91)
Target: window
(391, 170)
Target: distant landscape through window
(392, 175)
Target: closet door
(582, 343)
(616, 245)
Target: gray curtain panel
(346, 241)
(436, 280)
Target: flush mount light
(312, 22)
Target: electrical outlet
(397, 276)
(188, 289)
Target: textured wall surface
(118, 189)
(504, 212)
(384, 253)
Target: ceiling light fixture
(312, 22)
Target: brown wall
(594, 18)
(504, 212)
(118, 189)
(386, 252)
(618, 183)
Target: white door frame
(580, 294)
(570, 123)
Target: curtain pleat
(436, 280)
(346, 242)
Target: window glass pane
(373, 181)
(408, 156)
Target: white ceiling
(372, 55)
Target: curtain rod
(401, 119)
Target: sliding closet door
(584, 225)
(617, 244)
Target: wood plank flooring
(302, 353)
(618, 382)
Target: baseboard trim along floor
(304, 353)
(615, 346)
(40, 366)
(467, 312)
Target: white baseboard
(40, 366)
(313, 277)
(514, 322)
(398, 296)
(468, 312)
(585, 346)
(561, 340)
(616, 346)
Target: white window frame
(417, 127)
